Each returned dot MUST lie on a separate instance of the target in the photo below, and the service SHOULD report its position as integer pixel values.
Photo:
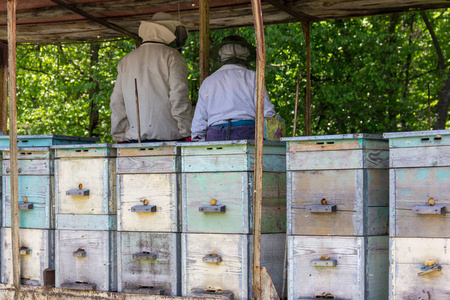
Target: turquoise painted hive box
(218, 183)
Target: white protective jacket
(228, 94)
(161, 74)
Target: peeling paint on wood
(40, 243)
(361, 271)
(233, 273)
(162, 273)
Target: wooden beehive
(337, 185)
(85, 185)
(217, 187)
(419, 200)
(148, 187)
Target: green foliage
(369, 75)
(54, 84)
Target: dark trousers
(225, 133)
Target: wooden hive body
(419, 202)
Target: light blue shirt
(228, 94)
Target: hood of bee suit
(160, 29)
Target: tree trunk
(94, 115)
(444, 95)
(443, 105)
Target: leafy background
(369, 75)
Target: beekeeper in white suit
(161, 76)
(226, 106)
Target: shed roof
(46, 21)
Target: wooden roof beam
(97, 20)
(299, 16)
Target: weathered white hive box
(217, 187)
(36, 255)
(148, 187)
(419, 204)
(222, 263)
(420, 183)
(86, 260)
(85, 186)
(338, 267)
(35, 188)
(337, 185)
(149, 263)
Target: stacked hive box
(148, 226)
(36, 206)
(86, 220)
(420, 227)
(217, 203)
(337, 217)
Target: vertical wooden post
(307, 35)
(204, 39)
(15, 241)
(3, 88)
(259, 137)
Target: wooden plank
(230, 163)
(97, 267)
(231, 147)
(148, 150)
(48, 293)
(37, 190)
(12, 92)
(360, 261)
(94, 174)
(29, 167)
(433, 138)
(328, 143)
(27, 154)
(408, 257)
(162, 273)
(4, 88)
(204, 39)
(420, 157)
(336, 160)
(150, 164)
(86, 222)
(161, 190)
(85, 151)
(340, 223)
(32, 265)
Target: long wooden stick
(259, 137)
(204, 39)
(307, 35)
(138, 116)
(296, 102)
(3, 88)
(15, 240)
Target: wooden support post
(3, 88)
(204, 39)
(259, 137)
(307, 35)
(15, 240)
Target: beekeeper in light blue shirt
(226, 105)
